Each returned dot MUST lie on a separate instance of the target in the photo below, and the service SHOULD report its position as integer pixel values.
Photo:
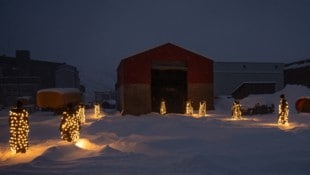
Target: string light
(283, 111)
(162, 109)
(70, 126)
(82, 113)
(236, 110)
(97, 110)
(202, 108)
(189, 108)
(19, 129)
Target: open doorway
(170, 85)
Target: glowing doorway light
(189, 108)
(70, 126)
(283, 111)
(202, 108)
(162, 109)
(19, 129)
(236, 111)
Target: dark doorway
(170, 85)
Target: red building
(165, 72)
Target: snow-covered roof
(299, 64)
(253, 82)
(60, 90)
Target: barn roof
(136, 68)
(167, 49)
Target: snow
(168, 144)
(299, 64)
(60, 90)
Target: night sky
(94, 35)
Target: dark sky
(94, 35)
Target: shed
(166, 72)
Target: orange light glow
(87, 145)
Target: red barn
(166, 72)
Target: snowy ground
(170, 144)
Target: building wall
(135, 99)
(297, 73)
(13, 87)
(66, 76)
(136, 69)
(22, 76)
(198, 92)
(134, 76)
(230, 75)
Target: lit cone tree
(189, 108)
(97, 110)
(162, 109)
(283, 111)
(236, 110)
(70, 125)
(82, 113)
(19, 129)
(202, 108)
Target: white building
(230, 78)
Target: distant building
(105, 98)
(241, 79)
(297, 73)
(22, 76)
(66, 76)
(166, 72)
(102, 96)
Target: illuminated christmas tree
(97, 110)
(202, 108)
(189, 108)
(236, 110)
(283, 111)
(82, 113)
(19, 129)
(162, 109)
(70, 125)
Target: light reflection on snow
(289, 126)
(242, 119)
(87, 145)
(262, 123)
(8, 157)
(196, 115)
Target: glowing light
(87, 145)
(162, 109)
(236, 111)
(189, 108)
(82, 113)
(283, 111)
(202, 108)
(19, 129)
(70, 126)
(97, 111)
